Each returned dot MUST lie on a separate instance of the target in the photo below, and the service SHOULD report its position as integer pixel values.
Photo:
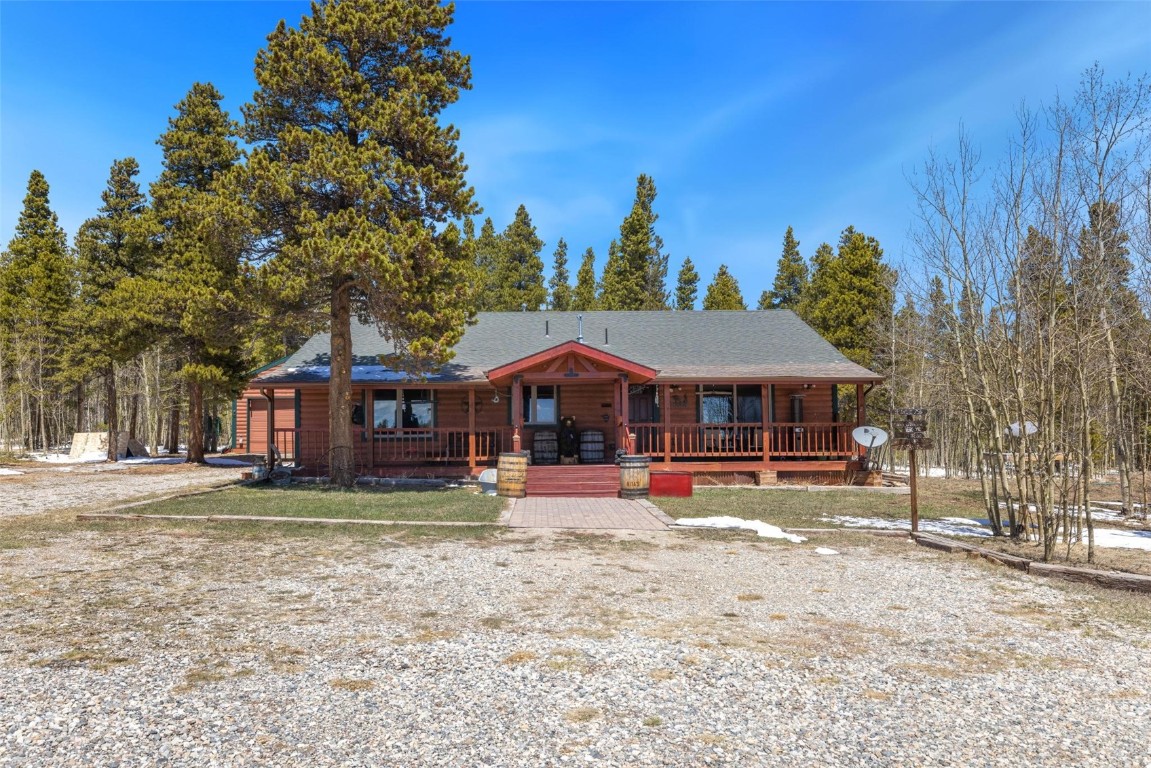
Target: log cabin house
(727, 396)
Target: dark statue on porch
(569, 441)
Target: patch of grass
(438, 505)
(653, 721)
(521, 657)
(750, 597)
(661, 674)
(581, 714)
(805, 509)
(345, 684)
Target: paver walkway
(612, 514)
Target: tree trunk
(133, 415)
(111, 411)
(174, 427)
(343, 470)
(195, 422)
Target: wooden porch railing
(397, 446)
(785, 440)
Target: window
(720, 404)
(406, 408)
(540, 404)
(716, 405)
(749, 404)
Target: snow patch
(766, 530)
(826, 551)
(6, 471)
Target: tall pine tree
(723, 293)
(850, 295)
(37, 280)
(636, 278)
(584, 294)
(561, 290)
(488, 255)
(687, 286)
(198, 287)
(519, 273)
(790, 277)
(355, 182)
(113, 321)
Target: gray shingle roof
(680, 345)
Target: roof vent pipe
(547, 334)
(579, 338)
(605, 337)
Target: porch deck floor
(602, 514)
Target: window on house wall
(540, 404)
(404, 408)
(749, 404)
(716, 404)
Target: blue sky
(749, 116)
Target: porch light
(464, 406)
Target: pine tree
(112, 321)
(723, 293)
(519, 272)
(584, 295)
(355, 183)
(817, 285)
(561, 289)
(37, 281)
(198, 287)
(687, 286)
(850, 295)
(614, 293)
(636, 278)
(488, 255)
(790, 277)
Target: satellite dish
(869, 437)
(1029, 428)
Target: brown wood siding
(252, 428)
(816, 402)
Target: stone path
(604, 514)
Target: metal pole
(914, 493)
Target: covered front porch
(730, 425)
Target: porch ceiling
(571, 362)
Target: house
(724, 395)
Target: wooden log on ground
(944, 545)
(1112, 579)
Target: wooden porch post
(622, 413)
(369, 425)
(860, 413)
(270, 396)
(625, 413)
(517, 410)
(471, 430)
(665, 417)
(765, 418)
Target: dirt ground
(50, 487)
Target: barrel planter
(634, 477)
(545, 447)
(591, 447)
(512, 475)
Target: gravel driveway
(46, 487)
(177, 648)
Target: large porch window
(540, 404)
(727, 404)
(406, 408)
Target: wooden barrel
(546, 447)
(512, 475)
(634, 477)
(591, 446)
